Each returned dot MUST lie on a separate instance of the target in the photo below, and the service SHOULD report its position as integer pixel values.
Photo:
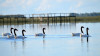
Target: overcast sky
(48, 6)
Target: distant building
(11, 16)
(72, 14)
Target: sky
(48, 6)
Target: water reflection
(36, 28)
(15, 46)
(23, 45)
(48, 24)
(87, 39)
(44, 42)
(83, 38)
(54, 45)
(85, 44)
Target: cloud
(75, 8)
(7, 2)
(29, 2)
(79, 4)
(59, 0)
(14, 6)
(44, 6)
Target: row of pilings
(47, 17)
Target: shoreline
(50, 20)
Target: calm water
(57, 42)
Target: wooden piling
(75, 19)
(22, 20)
(25, 20)
(44, 18)
(60, 18)
(66, 17)
(69, 18)
(16, 19)
(7, 20)
(56, 19)
(33, 17)
(48, 18)
(3, 20)
(52, 18)
(10, 20)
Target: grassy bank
(92, 18)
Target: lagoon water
(57, 42)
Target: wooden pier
(44, 17)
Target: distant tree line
(70, 14)
(11, 16)
(84, 14)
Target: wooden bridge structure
(48, 16)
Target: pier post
(48, 18)
(10, 20)
(33, 17)
(64, 17)
(52, 17)
(17, 19)
(69, 18)
(60, 18)
(56, 19)
(44, 18)
(25, 19)
(7, 20)
(75, 19)
(22, 20)
(3, 22)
